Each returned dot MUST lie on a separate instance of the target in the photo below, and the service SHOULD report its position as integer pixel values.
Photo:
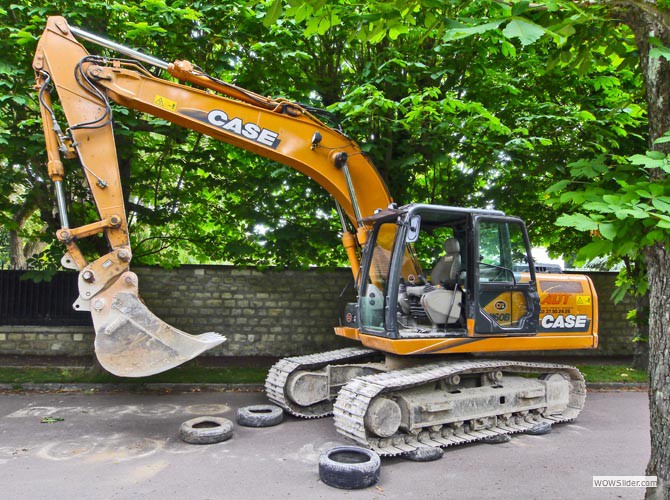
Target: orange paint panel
(471, 327)
(470, 344)
(350, 333)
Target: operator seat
(443, 305)
(449, 265)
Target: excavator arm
(130, 340)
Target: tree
(628, 208)
(467, 103)
(445, 120)
(189, 199)
(639, 206)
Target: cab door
(507, 301)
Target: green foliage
(625, 209)
(526, 32)
(658, 50)
(38, 276)
(464, 103)
(612, 373)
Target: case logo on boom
(235, 125)
(248, 130)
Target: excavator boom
(130, 340)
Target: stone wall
(46, 341)
(265, 313)
(269, 313)
(616, 333)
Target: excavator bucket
(131, 341)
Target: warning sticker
(164, 102)
(583, 300)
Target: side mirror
(414, 228)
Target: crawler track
(281, 371)
(355, 397)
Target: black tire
(349, 467)
(260, 415)
(206, 430)
(540, 429)
(499, 439)
(424, 454)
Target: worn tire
(540, 429)
(206, 430)
(349, 467)
(260, 415)
(424, 454)
(499, 439)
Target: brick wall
(264, 313)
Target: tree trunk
(641, 355)
(658, 262)
(18, 257)
(641, 344)
(647, 20)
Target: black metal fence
(47, 303)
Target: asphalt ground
(125, 445)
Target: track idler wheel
(383, 417)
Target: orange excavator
(441, 290)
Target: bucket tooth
(131, 341)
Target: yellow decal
(164, 102)
(555, 299)
(583, 300)
(507, 309)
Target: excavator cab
(436, 271)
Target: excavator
(441, 291)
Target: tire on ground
(540, 429)
(206, 430)
(499, 439)
(349, 467)
(260, 415)
(424, 454)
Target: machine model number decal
(501, 318)
(550, 321)
(248, 130)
